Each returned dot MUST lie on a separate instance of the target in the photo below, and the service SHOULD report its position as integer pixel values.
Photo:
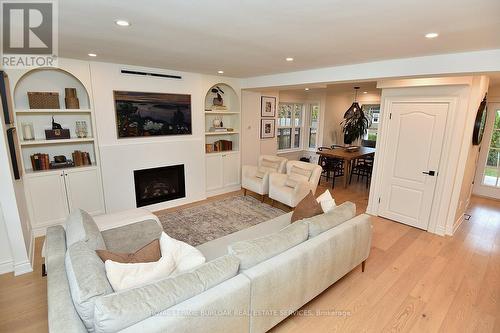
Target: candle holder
(28, 131)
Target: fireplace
(159, 184)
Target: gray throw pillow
(125, 308)
(321, 223)
(81, 227)
(252, 252)
(87, 280)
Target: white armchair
(256, 178)
(292, 187)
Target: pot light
(365, 92)
(306, 89)
(122, 23)
(92, 55)
(220, 72)
(431, 35)
(289, 59)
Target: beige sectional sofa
(252, 280)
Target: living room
(285, 157)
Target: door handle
(430, 172)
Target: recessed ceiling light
(122, 23)
(92, 55)
(306, 89)
(220, 72)
(365, 92)
(431, 35)
(289, 59)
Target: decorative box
(43, 100)
(57, 134)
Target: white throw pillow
(176, 257)
(326, 201)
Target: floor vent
(167, 76)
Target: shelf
(223, 152)
(44, 142)
(221, 133)
(53, 111)
(221, 112)
(31, 172)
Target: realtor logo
(29, 34)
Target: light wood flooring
(414, 281)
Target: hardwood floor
(414, 281)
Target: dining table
(347, 157)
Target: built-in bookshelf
(222, 122)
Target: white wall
(120, 157)
(6, 262)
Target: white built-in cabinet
(51, 195)
(223, 168)
(223, 171)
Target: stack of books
(223, 145)
(81, 158)
(40, 162)
(218, 129)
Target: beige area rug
(209, 221)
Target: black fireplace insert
(159, 184)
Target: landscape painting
(152, 114)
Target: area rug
(199, 224)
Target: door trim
(444, 185)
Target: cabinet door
(84, 190)
(47, 199)
(214, 172)
(231, 168)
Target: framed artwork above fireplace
(140, 114)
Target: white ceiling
(252, 37)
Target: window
(290, 125)
(312, 130)
(373, 112)
(492, 169)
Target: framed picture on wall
(267, 128)
(267, 106)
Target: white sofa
(217, 296)
(252, 182)
(280, 190)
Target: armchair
(292, 187)
(256, 178)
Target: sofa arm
(277, 179)
(62, 315)
(248, 170)
(301, 190)
(126, 217)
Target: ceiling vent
(167, 76)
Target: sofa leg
(245, 192)
(363, 266)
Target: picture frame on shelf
(267, 128)
(268, 106)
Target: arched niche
(231, 100)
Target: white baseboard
(223, 190)
(6, 266)
(23, 268)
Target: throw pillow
(326, 201)
(292, 180)
(307, 207)
(261, 172)
(176, 257)
(295, 170)
(148, 253)
(81, 227)
(269, 164)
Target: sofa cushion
(252, 252)
(80, 226)
(148, 253)
(87, 280)
(307, 207)
(336, 216)
(119, 310)
(296, 170)
(130, 238)
(269, 165)
(327, 202)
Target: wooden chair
(334, 166)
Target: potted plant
(355, 123)
(218, 101)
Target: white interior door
(487, 180)
(411, 166)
